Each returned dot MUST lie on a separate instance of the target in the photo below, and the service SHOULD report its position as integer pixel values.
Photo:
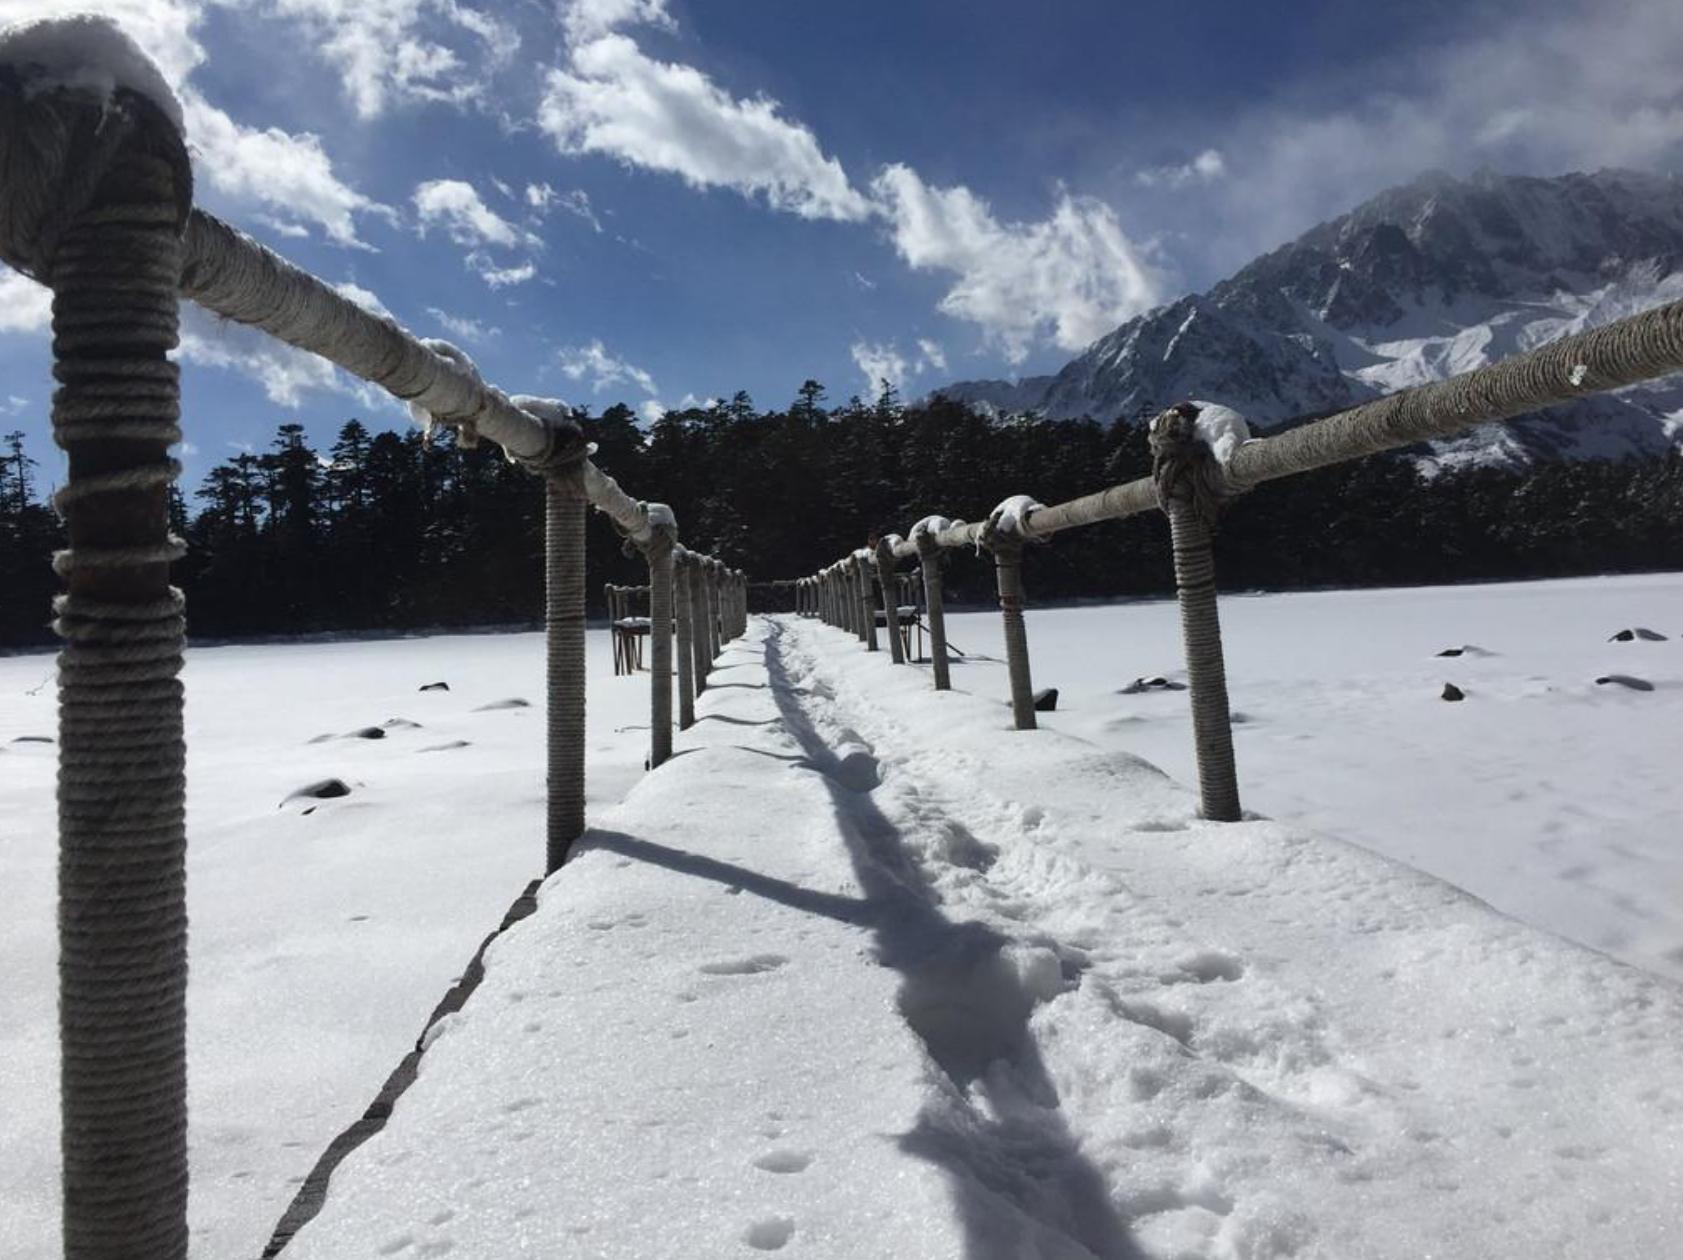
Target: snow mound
(1221, 429)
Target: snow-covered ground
(320, 942)
(863, 972)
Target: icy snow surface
(862, 972)
(89, 53)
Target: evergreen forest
(385, 531)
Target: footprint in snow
(513, 702)
(750, 966)
(455, 743)
(771, 1233)
(783, 1161)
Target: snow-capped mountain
(1422, 282)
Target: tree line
(388, 531)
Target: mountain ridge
(1420, 282)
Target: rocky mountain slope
(1422, 282)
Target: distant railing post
(698, 621)
(1180, 464)
(93, 199)
(1007, 551)
(929, 561)
(564, 505)
(714, 643)
(867, 609)
(890, 597)
(658, 551)
(682, 575)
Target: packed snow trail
(862, 972)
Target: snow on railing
(1202, 456)
(96, 203)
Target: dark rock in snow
(437, 686)
(1151, 684)
(368, 732)
(1625, 680)
(1452, 692)
(1046, 700)
(33, 739)
(513, 702)
(1649, 636)
(1623, 636)
(400, 724)
(325, 790)
(1452, 651)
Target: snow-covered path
(862, 972)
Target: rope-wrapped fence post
(1188, 481)
(929, 560)
(658, 551)
(714, 644)
(866, 607)
(890, 589)
(683, 570)
(698, 621)
(564, 505)
(1007, 551)
(93, 200)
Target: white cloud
(457, 206)
(365, 298)
(500, 277)
(1206, 168)
(463, 327)
(282, 227)
(603, 369)
(404, 50)
(650, 411)
(543, 198)
(1576, 86)
(585, 20)
(25, 307)
(882, 361)
(612, 99)
(268, 166)
(286, 374)
(1075, 274)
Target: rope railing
(96, 203)
(1202, 456)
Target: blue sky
(659, 201)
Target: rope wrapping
(94, 196)
(1180, 464)
(890, 598)
(659, 553)
(564, 510)
(698, 620)
(934, 598)
(1008, 569)
(864, 610)
(685, 618)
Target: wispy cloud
(463, 327)
(1206, 168)
(881, 362)
(612, 99)
(585, 20)
(592, 362)
(365, 298)
(457, 207)
(543, 198)
(1072, 276)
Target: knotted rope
(1191, 489)
(95, 194)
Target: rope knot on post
(566, 446)
(1189, 445)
